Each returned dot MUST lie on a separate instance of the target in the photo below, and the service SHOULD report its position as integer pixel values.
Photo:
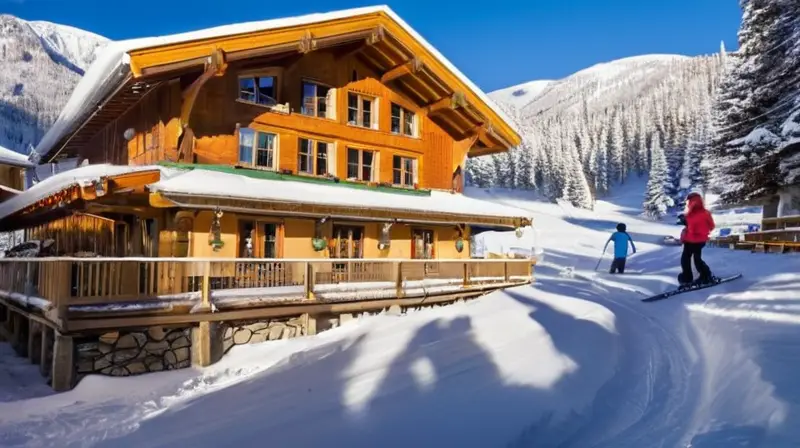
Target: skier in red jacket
(699, 225)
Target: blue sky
(496, 43)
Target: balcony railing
(87, 285)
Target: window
(361, 111)
(258, 239)
(403, 121)
(270, 240)
(318, 100)
(259, 89)
(404, 171)
(349, 242)
(360, 164)
(313, 156)
(422, 244)
(257, 148)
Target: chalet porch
(123, 316)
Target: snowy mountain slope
(520, 95)
(590, 131)
(604, 85)
(40, 63)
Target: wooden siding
(213, 138)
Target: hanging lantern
(385, 238)
(215, 234)
(318, 242)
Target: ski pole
(601, 257)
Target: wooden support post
(310, 323)
(19, 338)
(63, 370)
(505, 272)
(206, 288)
(201, 345)
(35, 342)
(398, 281)
(466, 274)
(309, 280)
(45, 350)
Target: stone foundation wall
(252, 332)
(133, 352)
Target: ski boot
(685, 282)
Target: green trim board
(272, 175)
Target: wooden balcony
(81, 294)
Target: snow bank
(444, 371)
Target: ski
(689, 288)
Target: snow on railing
(207, 284)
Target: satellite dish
(129, 134)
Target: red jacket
(699, 222)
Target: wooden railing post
(398, 280)
(505, 272)
(309, 280)
(206, 290)
(466, 274)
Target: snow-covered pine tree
(616, 164)
(656, 199)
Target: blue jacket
(620, 240)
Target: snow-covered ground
(574, 360)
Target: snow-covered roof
(61, 181)
(112, 67)
(208, 183)
(9, 157)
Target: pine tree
(616, 165)
(656, 199)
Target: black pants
(694, 250)
(618, 265)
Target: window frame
(254, 149)
(373, 165)
(314, 157)
(260, 237)
(254, 76)
(419, 230)
(330, 102)
(404, 112)
(373, 112)
(404, 172)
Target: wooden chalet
(12, 173)
(272, 174)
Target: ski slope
(577, 360)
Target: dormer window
(261, 90)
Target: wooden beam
(412, 66)
(375, 36)
(215, 66)
(451, 102)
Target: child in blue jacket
(620, 239)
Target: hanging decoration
(460, 238)
(519, 231)
(385, 238)
(215, 234)
(318, 243)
